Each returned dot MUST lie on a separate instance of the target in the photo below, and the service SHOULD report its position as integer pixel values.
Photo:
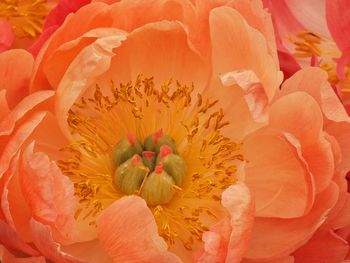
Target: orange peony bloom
(156, 131)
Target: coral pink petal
(57, 15)
(338, 19)
(48, 192)
(42, 239)
(8, 257)
(324, 246)
(4, 108)
(289, 64)
(16, 66)
(286, 259)
(228, 240)
(276, 172)
(128, 232)
(273, 238)
(315, 20)
(7, 36)
(11, 240)
(229, 29)
(38, 44)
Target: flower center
(156, 175)
(162, 143)
(25, 16)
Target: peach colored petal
(18, 137)
(14, 207)
(121, 15)
(314, 81)
(237, 200)
(259, 18)
(324, 246)
(273, 238)
(7, 36)
(90, 251)
(11, 240)
(228, 240)
(233, 101)
(92, 17)
(59, 61)
(27, 104)
(42, 238)
(286, 259)
(229, 29)
(79, 77)
(276, 172)
(160, 50)
(16, 82)
(48, 192)
(305, 122)
(12, 202)
(8, 257)
(128, 232)
(341, 132)
(254, 93)
(320, 160)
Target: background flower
(314, 32)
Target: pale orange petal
(15, 70)
(229, 29)
(273, 238)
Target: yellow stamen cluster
(308, 44)
(195, 124)
(25, 16)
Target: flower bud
(158, 188)
(173, 164)
(149, 159)
(130, 174)
(157, 139)
(126, 148)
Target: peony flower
(155, 131)
(314, 32)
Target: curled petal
(128, 232)
(7, 36)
